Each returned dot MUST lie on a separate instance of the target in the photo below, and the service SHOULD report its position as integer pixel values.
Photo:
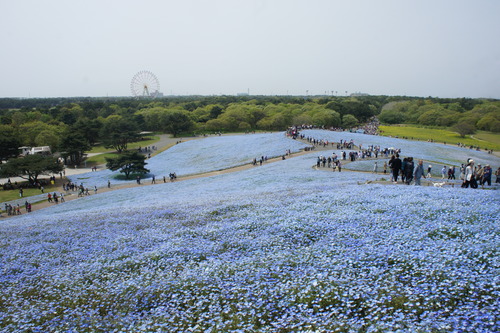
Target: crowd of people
(475, 175)
(12, 210)
(330, 162)
(371, 127)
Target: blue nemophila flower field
(278, 248)
(204, 155)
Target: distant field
(485, 140)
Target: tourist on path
(469, 179)
(419, 172)
(395, 164)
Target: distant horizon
(248, 95)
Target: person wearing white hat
(469, 175)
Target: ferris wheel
(145, 84)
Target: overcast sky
(63, 48)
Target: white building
(43, 150)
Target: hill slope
(278, 247)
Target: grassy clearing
(485, 140)
(10, 195)
(99, 159)
(487, 136)
(134, 145)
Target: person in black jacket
(395, 164)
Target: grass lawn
(485, 140)
(10, 195)
(151, 140)
(99, 159)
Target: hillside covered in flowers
(280, 247)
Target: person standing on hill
(451, 172)
(462, 171)
(444, 171)
(396, 167)
(409, 169)
(487, 175)
(479, 174)
(390, 167)
(469, 175)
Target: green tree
(357, 108)
(217, 125)
(328, 118)
(73, 146)
(431, 117)
(71, 113)
(349, 121)
(392, 117)
(215, 111)
(464, 128)
(9, 143)
(117, 132)
(47, 138)
(490, 122)
(302, 119)
(32, 134)
(176, 121)
(153, 117)
(88, 129)
(31, 167)
(128, 163)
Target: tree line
(465, 116)
(73, 126)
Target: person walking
(409, 169)
(479, 173)
(396, 165)
(451, 172)
(487, 175)
(419, 172)
(469, 179)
